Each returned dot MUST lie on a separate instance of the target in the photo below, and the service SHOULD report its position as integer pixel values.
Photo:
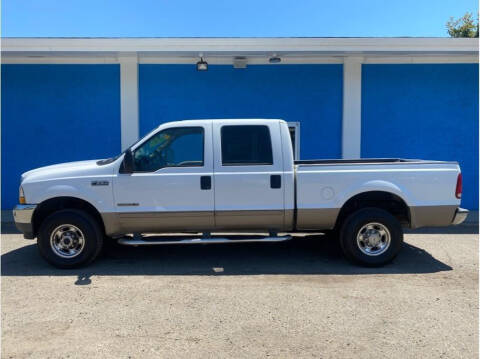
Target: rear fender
(375, 185)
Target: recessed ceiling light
(274, 60)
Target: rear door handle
(275, 181)
(205, 182)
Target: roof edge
(238, 45)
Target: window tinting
(173, 147)
(246, 145)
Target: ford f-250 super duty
(228, 176)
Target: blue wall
(56, 113)
(311, 94)
(59, 113)
(423, 111)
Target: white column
(128, 98)
(352, 107)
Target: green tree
(466, 26)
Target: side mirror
(127, 164)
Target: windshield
(106, 161)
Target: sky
(230, 18)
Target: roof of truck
(243, 120)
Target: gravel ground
(289, 300)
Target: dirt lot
(295, 299)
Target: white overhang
(178, 49)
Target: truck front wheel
(371, 237)
(69, 239)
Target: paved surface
(288, 300)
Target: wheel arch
(386, 200)
(51, 205)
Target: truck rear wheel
(70, 239)
(371, 237)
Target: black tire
(92, 237)
(354, 223)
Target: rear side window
(246, 145)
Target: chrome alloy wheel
(67, 241)
(373, 239)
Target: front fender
(101, 197)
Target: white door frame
(296, 150)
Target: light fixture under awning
(202, 65)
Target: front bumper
(23, 214)
(460, 216)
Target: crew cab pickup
(231, 176)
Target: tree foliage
(466, 26)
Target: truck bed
(426, 187)
(377, 161)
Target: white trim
(459, 59)
(296, 150)
(129, 121)
(352, 107)
(251, 60)
(241, 45)
(228, 60)
(74, 60)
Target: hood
(69, 169)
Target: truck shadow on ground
(317, 254)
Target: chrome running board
(168, 240)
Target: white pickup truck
(230, 176)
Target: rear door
(248, 175)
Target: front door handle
(275, 181)
(205, 182)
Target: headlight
(21, 196)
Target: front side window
(173, 147)
(246, 145)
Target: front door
(248, 167)
(171, 188)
